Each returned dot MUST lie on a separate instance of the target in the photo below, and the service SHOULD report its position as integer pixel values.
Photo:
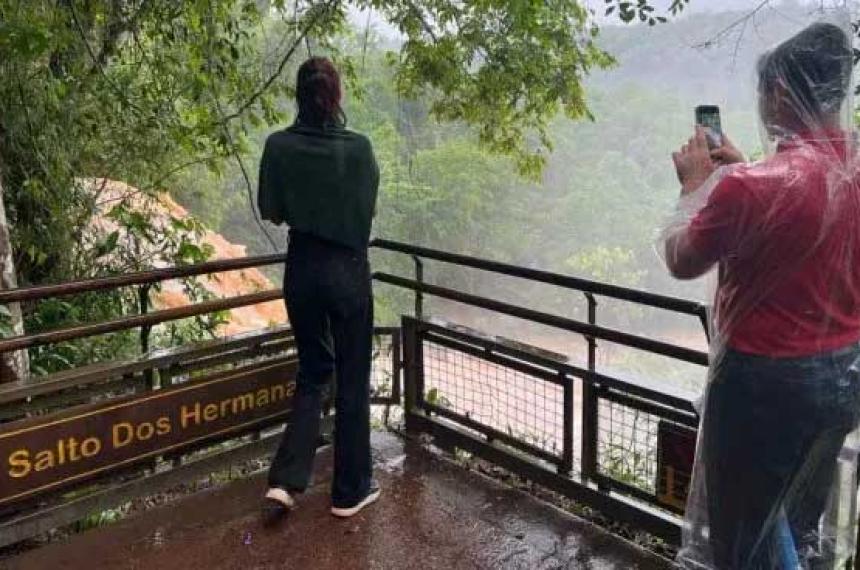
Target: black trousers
(773, 429)
(330, 305)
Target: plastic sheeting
(773, 483)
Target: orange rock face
(221, 285)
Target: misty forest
(533, 133)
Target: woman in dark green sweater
(322, 180)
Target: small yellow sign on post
(676, 450)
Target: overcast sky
(696, 6)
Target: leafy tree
(632, 10)
(146, 91)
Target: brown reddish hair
(318, 94)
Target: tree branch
(175, 170)
(326, 8)
(742, 21)
(83, 35)
(424, 23)
(114, 31)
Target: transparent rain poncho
(774, 477)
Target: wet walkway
(432, 514)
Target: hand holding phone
(728, 153)
(708, 116)
(693, 162)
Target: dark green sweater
(321, 182)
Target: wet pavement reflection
(432, 514)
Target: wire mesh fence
(627, 445)
(636, 445)
(520, 405)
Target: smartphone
(708, 116)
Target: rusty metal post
(566, 467)
(419, 296)
(396, 366)
(589, 402)
(703, 318)
(145, 330)
(413, 373)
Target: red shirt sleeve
(713, 231)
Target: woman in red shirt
(783, 394)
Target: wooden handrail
(558, 279)
(125, 323)
(102, 371)
(140, 278)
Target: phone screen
(708, 116)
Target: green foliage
(435, 398)
(632, 10)
(7, 328)
(505, 67)
(99, 519)
(158, 92)
(58, 312)
(607, 264)
(603, 192)
(191, 330)
(626, 465)
(132, 234)
(111, 90)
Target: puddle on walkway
(394, 465)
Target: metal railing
(529, 405)
(144, 280)
(522, 410)
(37, 403)
(579, 430)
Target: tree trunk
(14, 366)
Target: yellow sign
(42, 454)
(676, 448)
